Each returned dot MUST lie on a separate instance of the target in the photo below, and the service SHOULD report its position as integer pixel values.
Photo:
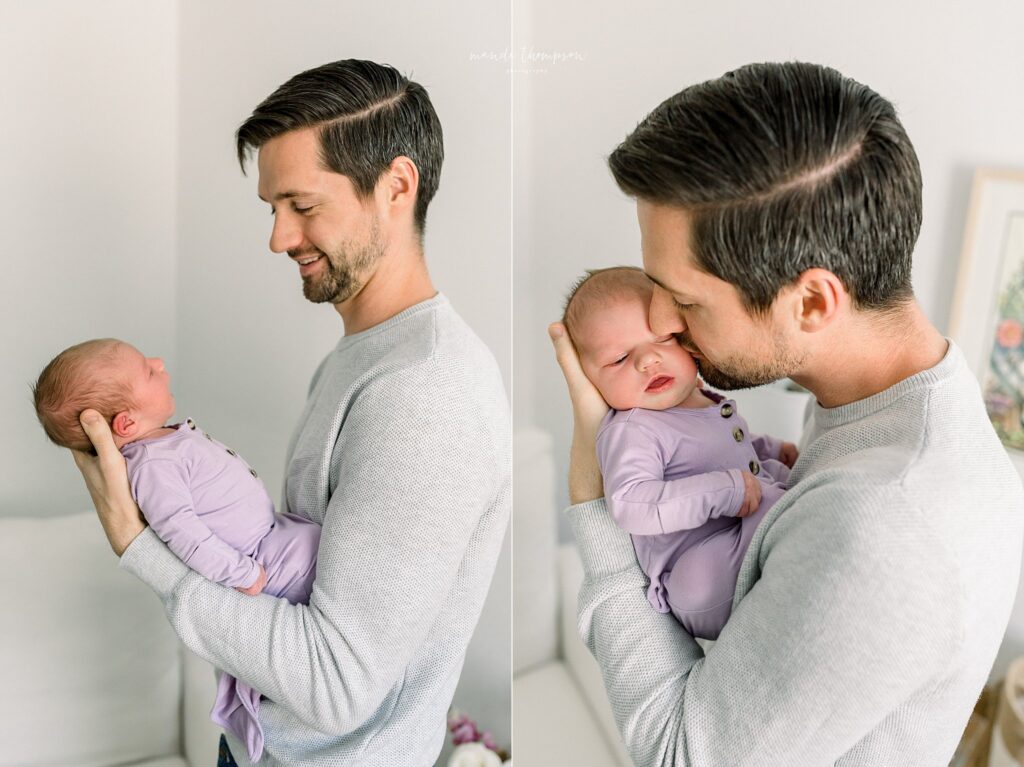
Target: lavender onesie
(672, 479)
(213, 512)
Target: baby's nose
(648, 359)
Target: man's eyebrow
(663, 286)
(282, 196)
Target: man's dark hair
(367, 114)
(783, 168)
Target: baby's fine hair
(598, 287)
(76, 380)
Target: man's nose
(663, 316)
(286, 234)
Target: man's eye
(303, 211)
(681, 305)
(665, 339)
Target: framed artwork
(987, 321)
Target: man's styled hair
(367, 115)
(784, 167)
(76, 380)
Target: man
(401, 454)
(778, 210)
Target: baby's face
(150, 384)
(628, 364)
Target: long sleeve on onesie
(161, 488)
(633, 455)
(403, 456)
(868, 609)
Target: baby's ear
(123, 425)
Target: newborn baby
(203, 500)
(682, 473)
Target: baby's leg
(702, 582)
(289, 554)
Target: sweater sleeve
(642, 501)
(161, 489)
(418, 467)
(842, 626)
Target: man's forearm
(584, 472)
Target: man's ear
(402, 179)
(822, 297)
(124, 425)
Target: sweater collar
(951, 364)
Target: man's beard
(342, 275)
(745, 374)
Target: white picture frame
(987, 319)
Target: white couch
(91, 674)
(560, 713)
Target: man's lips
(659, 384)
(305, 269)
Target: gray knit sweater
(403, 456)
(869, 607)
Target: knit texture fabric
(868, 609)
(402, 454)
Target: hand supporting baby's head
(606, 316)
(106, 375)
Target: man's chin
(719, 379)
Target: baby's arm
(643, 502)
(769, 448)
(161, 489)
(766, 446)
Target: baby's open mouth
(659, 383)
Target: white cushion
(534, 529)
(200, 688)
(90, 667)
(553, 725)
(580, 663)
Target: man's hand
(107, 479)
(751, 495)
(588, 408)
(788, 454)
(258, 586)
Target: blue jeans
(224, 757)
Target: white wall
(87, 209)
(954, 71)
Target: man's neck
(868, 355)
(397, 284)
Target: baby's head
(130, 391)
(606, 316)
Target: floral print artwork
(1004, 381)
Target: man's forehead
(665, 240)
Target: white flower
(473, 755)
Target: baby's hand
(751, 495)
(788, 454)
(258, 586)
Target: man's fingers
(589, 406)
(565, 354)
(98, 432)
